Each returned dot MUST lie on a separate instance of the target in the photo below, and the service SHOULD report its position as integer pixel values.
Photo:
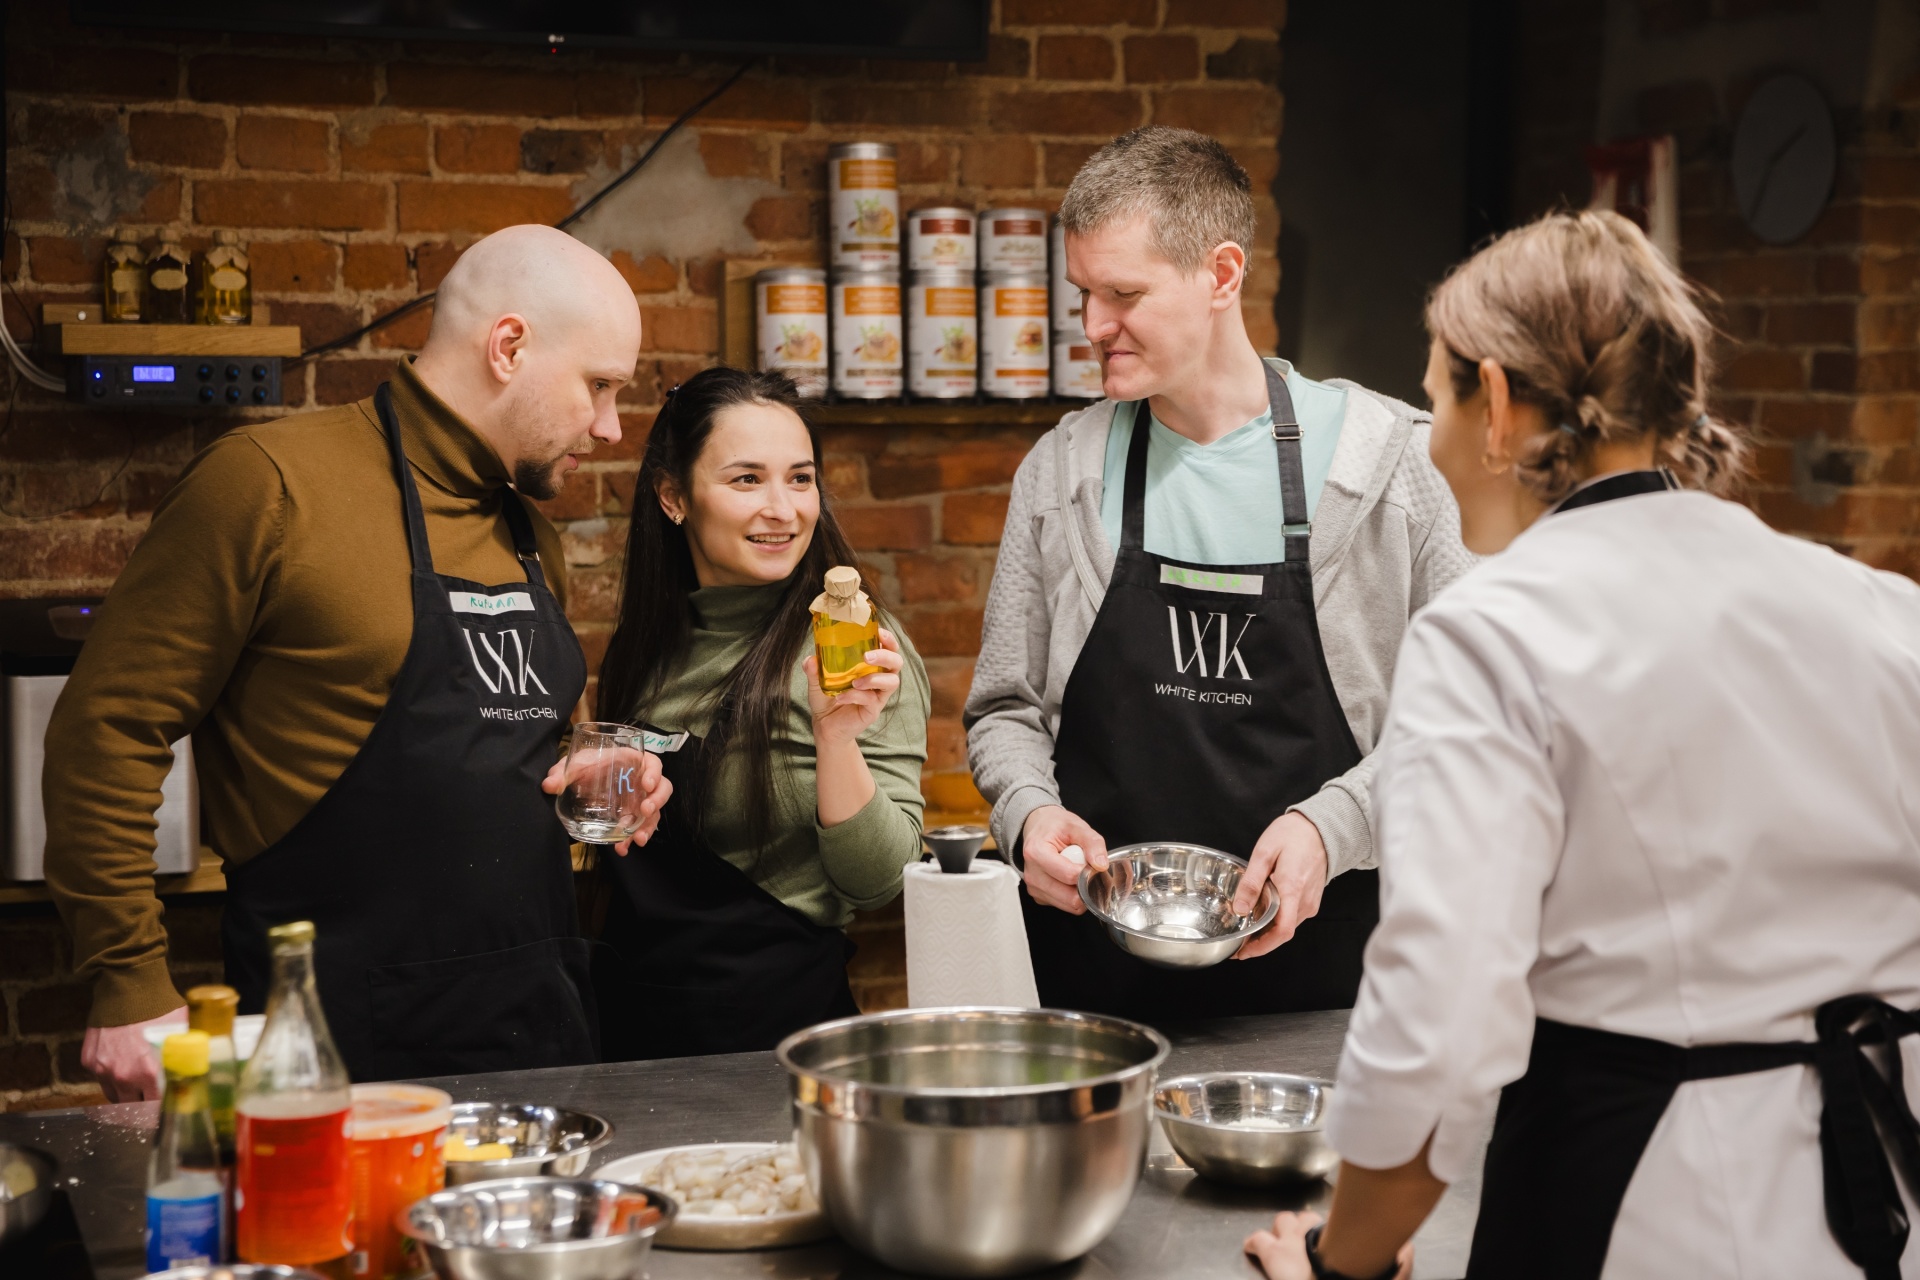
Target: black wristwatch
(1322, 1271)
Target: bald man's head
(533, 336)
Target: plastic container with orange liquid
(399, 1155)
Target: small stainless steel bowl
(26, 1189)
(235, 1271)
(538, 1228)
(1172, 904)
(544, 1140)
(1254, 1128)
(955, 847)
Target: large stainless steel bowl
(1254, 1128)
(1172, 904)
(26, 1189)
(538, 1229)
(973, 1142)
(544, 1140)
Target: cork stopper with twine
(843, 600)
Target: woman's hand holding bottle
(847, 714)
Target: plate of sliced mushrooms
(732, 1195)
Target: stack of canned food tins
(979, 313)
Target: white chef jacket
(1655, 769)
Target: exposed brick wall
(357, 171)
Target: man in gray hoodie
(1200, 593)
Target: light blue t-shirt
(1219, 503)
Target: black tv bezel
(556, 40)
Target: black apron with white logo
(434, 870)
(1199, 710)
(698, 958)
(1570, 1132)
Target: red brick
(408, 333)
(1226, 13)
(950, 680)
(803, 164)
(1248, 58)
(774, 104)
(1762, 369)
(653, 274)
(782, 218)
(283, 142)
(561, 150)
(345, 381)
(1007, 55)
(953, 107)
(1682, 105)
(319, 321)
(972, 465)
(1156, 58)
(478, 206)
(1893, 225)
(1791, 419)
(1880, 372)
(705, 276)
(294, 266)
(94, 70)
(184, 138)
(944, 633)
(55, 551)
(1810, 324)
(1073, 58)
(1078, 13)
(56, 128)
(1837, 273)
(997, 162)
(1105, 112)
(926, 579)
(313, 205)
(67, 260)
(51, 1010)
(30, 952)
(1063, 160)
(385, 148)
(922, 162)
(483, 90)
(946, 744)
(25, 1066)
(692, 329)
(973, 519)
(477, 148)
(432, 262)
(901, 527)
(1896, 274)
(736, 155)
(1888, 420)
(32, 189)
(607, 93)
(1221, 112)
(163, 201)
(1835, 371)
(1759, 275)
(376, 266)
(1894, 177)
(251, 81)
(1887, 323)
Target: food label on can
(942, 341)
(1013, 300)
(793, 333)
(874, 174)
(865, 207)
(940, 244)
(949, 301)
(1076, 370)
(1013, 244)
(867, 347)
(1013, 341)
(796, 299)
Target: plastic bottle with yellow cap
(186, 1182)
(211, 1009)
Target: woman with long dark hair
(790, 809)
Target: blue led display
(153, 373)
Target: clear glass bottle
(169, 272)
(293, 1191)
(124, 282)
(186, 1181)
(211, 1009)
(224, 283)
(846, 627)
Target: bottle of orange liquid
(293, 1190)
(846, 627)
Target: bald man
(359, 617)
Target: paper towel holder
(955, 847)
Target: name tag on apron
(488, 606)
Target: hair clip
(1570, 429)
(670, 391)
(1703, 422)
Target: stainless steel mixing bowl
(973, 1142)
(26, 1189)
(544, 1140)
(1172, 904)
(538, 1229)
(1253, 1128)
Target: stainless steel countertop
(1177, 1226)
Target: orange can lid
(398, 1110)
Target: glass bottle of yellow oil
(169, 301)
(846, 627)
(125, 284)
(225, 284)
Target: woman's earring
(1495, 466)
(676, 517)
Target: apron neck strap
(1622, 484)
(1294, 528)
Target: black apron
(434, 870)
(698, 958)
(1570, 1132)
(1199, 710)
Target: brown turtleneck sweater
(267, 611)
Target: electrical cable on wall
(405, 308)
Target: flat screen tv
(943, 30)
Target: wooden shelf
(893, 413)
(205, 878)
(174, 339)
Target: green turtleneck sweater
(825, 873)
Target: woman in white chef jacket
(1648, 811)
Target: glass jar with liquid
(169, 272)
(225, 283)
(846, 627)
(125, 282)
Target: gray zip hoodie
(1385, 540)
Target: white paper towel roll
(966, 943)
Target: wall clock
(1784, 154)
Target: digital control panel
(180, 382)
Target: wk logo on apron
(1226, 656)
(509, 665)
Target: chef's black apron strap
(1570, 1134)
(1623, 484)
